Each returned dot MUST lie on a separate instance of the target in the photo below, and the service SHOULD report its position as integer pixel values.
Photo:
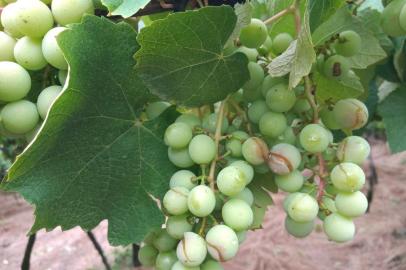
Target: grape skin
(246, 168)
(256, 110)
(46, 98)
(201, 201)
(339, 228)
(254, 34)
(222, 243)
(298, 229)
(348, 44)
(245, 195)
(28, 53)
(272, 124)
(19, 117)
(256, 76)
(202, 149)
(183, 178)
(303, 208)
(163, 241)
(255, 151)
(51, 50)
(191, 250)
(284, 159)
(353, 149)
(291, 182)
(176, 200)
(314, 138)
(347, 177)
(7, 44)
(281, 42)
(178, 135)
(237, 214)
(71, 11)
(190, 119)
(15, 81)
(179, 266)
(8, 20)
(147, 255)
(211, 265)
(176, 226)
(180, 157)
(351, 204)
(165, 260)
(351, 114)
(336, 67)
(280, 98)
(231, 180)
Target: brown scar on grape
(337, 69)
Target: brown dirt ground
(380, 243)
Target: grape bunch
(28, 46)
(268, 129)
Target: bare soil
(380, 243)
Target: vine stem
(322, 174)
(296, 11)
(310, 99)
(280, 14)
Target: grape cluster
(394, 18)
(27, 45)
(263, 129)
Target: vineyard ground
(379, 245)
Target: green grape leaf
(285, 24)
(321, 10)
(125, 8)
(244, 14)
(371, 51)
(181, 57)
(393, 111)
(93, 159)
(282, 64)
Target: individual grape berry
(348, 43)
(351, 204)
(190, 119)
(51, 50)
(252, 54)
(256, 76)
(28, 53)
(254, 34)
(280, 98)
(255, 151)
(246, 168)
(272, 124)
(201, 201)
(390, 19)
(211, 265)
(347, 177)
(339, 228)
(314, 138)
(179, 266)
(8, 20)
(175, 200)
(245, 195)
(281, 42)
(165, 260)
(328, 119)
(163, 241)
(284, 159)
(176, 226)
(183, 178)
(336, 67)
(256, 110)
(210, 123)
(71, 11)
(351, 113)
(302, 105)
(202, 149)
(291, 182)
(19, 117)
(46, 98)
(237, 214)
(222, 243)
(298, 229)
(191, 250)
(288, 136)
(231, 180)
(178, 135)
(303, 208)
(180, 157)
(15, 81)
(147, 255)
(151, 235)
(270, 82)
(234, 144)
(353, 149)
(288, 199)
(7, 44)
(402, 18)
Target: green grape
(179, 266)
(336, 67)
(256, 77)
(267, 46)
(273, 124)
(347, 177)
(19, 117)
(183, 178)
(191, 250)
(348, 44)
(155, 109)
(46, 98)
(270, 82)
(245, 195)
(280, 98)
(284, 158)
(151, 235)
(210, 123)
(353, 149)
(252, 54)
(33, 18)
(178, 135)
(254, 34)
(231, 180)
(234, 145)
(351, 204)
(147, 255)
(298, 229)
(176, 226)
(314, 138)
(8, 20)
(331, 189)
(328, 119)
(15, 81)
(301, 106)
(351, 113)
(71, 11)
(180, 157)
(190, 119)
(246, 169)
(28, 53)
(288, 199)
(211, 265)
(165, 260)
(201, 201)
(281, 42)
(237, 214)
(288, 137)
(175, 200)
(222, 243)
(291, 182)
(303, 208)
(328, 206)
(163, 241)
(255, 151)
(402, 18)
(51, 50)
(62, 76)
(256, 110)
(390, 20)
(202, 149)
(7, 44)
(339, 228)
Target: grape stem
(203, 227)
(280, 14)
(310, 99)
(321, 176)
(296, 12)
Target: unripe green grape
(267, 46)
(314, 138)
(347, 177)
(353, 149)
(71, 11)
(151, 235)
(183, 178)
(302, 105)
(231, 181)
(46, 98)
(210, 123)
(288, 199)
(155, 109)
(288, 136)
(246, 169)
(280, 98)
(254, 34)
(256, 110)
(211, 265)
(339, 228)
(178, 135)
(284, 158)
(245, 195)
(390, 19)
(180, 157)
(351, 204)
(234, 145)
(272, 124)
(281, 42)
(15, 81)
(33, 18)
(176, 226)
(28, 53)
(237, 214)
(351, 113)
(51, 50)
(256, 76)
(19, 117)
(303, 208)
(202, 149)
(191, 250)
(402, 18)
(252, 54)
(222, 243)
(348, 44)
(298, 229)
(147, 255)
(270, 82)
(175, 200)
(62, 76)
(201, 201)
(329, 204)
(7, 44)
(291, 182)
(336, 67)
(190, 119)
(165, 260)
(179, 266)
(328, 119)
(163, 241)
(255, 151)
(8, 20)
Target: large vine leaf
(124, 8)
(244, 14)
(321, 10)
(181, 57)
(93, 159)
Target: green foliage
(125, 8)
